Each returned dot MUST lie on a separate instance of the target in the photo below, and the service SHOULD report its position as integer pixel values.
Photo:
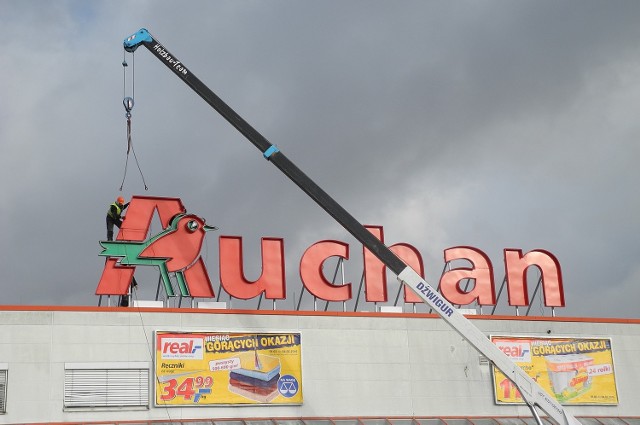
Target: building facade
(57, 364)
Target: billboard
(212, 368)
(574, 370)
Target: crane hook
(128, 105)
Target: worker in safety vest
(114, 216)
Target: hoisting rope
(128, 106)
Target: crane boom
(531, 392)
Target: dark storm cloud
(493, 124)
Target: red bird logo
(174, 250)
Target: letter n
(232, 278)
(516, 266)
(115, 279)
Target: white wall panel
(353, 365)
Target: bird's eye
(192, 225)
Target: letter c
(311, 270)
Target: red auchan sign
(117, 276)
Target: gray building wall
(354, 364)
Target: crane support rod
(531, 392)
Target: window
(106, 385)
(4, 370)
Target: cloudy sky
(492, 124)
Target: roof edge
(93, 309)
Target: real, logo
(181, 348)
(517, 351)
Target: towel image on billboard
(257, 378)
